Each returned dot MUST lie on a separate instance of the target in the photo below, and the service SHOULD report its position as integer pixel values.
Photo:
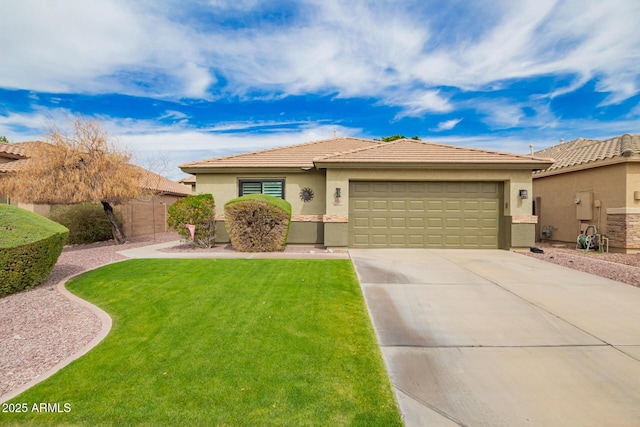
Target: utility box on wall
(584, 206)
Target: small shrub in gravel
(30, 245)
(258, 223)
(86, 222)
(199, 211)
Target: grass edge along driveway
(222, 342)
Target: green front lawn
(222, 342)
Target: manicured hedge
(30, 245)
(258, 222)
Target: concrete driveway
(484, 337)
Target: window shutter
(272, 188)
(251, 188)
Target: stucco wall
(224, 187)
(633, 184)
(304, 230)
(557, 194)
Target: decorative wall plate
(306, 194)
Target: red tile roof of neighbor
(585, 151)
(361, 151)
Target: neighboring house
(10, 153)
(189, 181)
(349, 192)
(592, 182)
(139, 217)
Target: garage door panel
(453, 205)
(398, 239)
(425, 214)
(416, 223)
(399, 205)
(471, 223)
(398, 189)
(471, 205)
(361, 222)
(435, 206)
(399, 223)
(378, 188)
(416, 205)
(435, 223)
(379, 239)
(379, 205)
(453, 241)
(416, 240)
(378, 222)
(361, 205)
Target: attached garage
(425, 214)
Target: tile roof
(292, 156)
(412, 151)
(355, 150)
(154, 182)
(584, 151)
(13, 151)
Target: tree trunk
(116, 229)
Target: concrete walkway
(155, 251)
(474, 338)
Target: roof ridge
(482, 150)
(353, 150)
(266, 150)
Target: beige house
(592, 182)
(144, 216)
(190, 182)
(350, 192)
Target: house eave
(586, 166)
(243, 170)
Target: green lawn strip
(223, 342)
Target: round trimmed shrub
(257, 222)
(198, 210)
(30, 245)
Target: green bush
(200, 211)
(30, 245)
(87, 222)
(258, 222)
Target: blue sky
(177, 81)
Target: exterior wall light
(524, 194)
(338, 191)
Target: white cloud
(446, 125)
(398, 55)
(98, 47)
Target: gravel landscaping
(40, 327)
(621, 267)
